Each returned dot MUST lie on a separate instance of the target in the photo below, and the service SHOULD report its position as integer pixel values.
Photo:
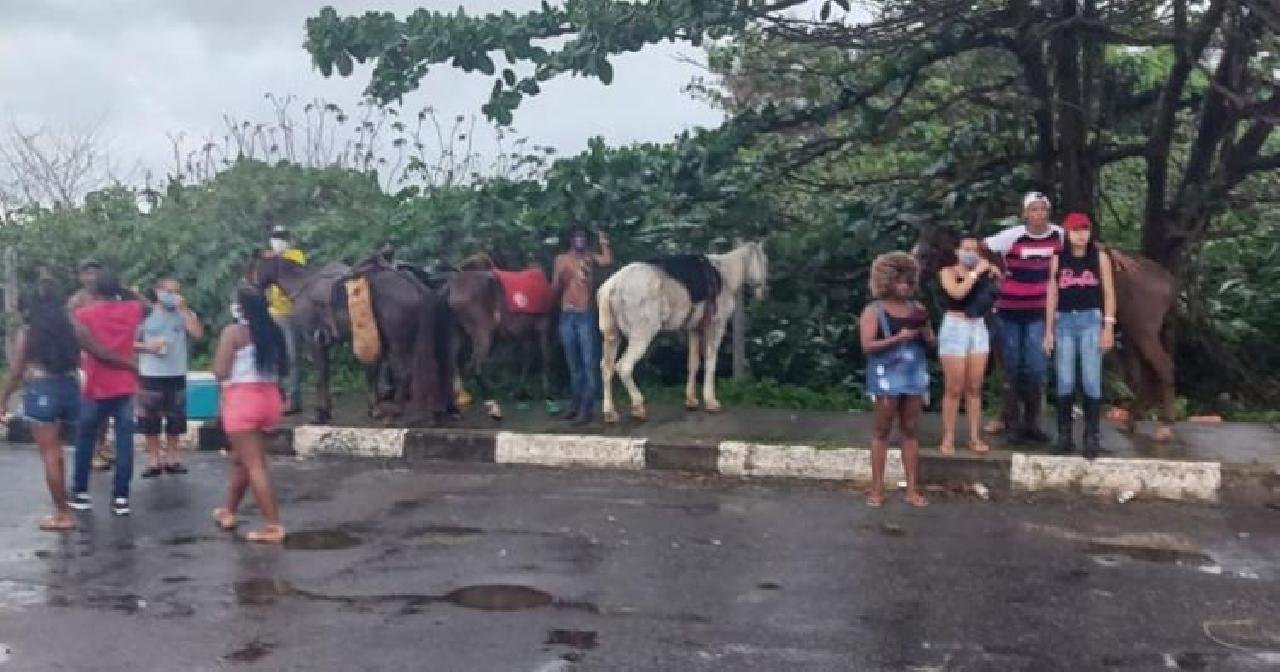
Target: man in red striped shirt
(1028, 250)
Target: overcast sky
(144, 68)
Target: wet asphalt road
(627, 572)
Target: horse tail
(604, 302)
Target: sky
(140, 70)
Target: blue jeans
(580, 338)
(1022, 350)
(1077, 335)
(94, 412)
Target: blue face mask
(968, 259)
(167, 299)
(579, 243)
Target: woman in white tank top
(251, 358)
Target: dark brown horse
(412, 320)
(1144, 300)
(479, 306)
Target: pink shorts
(248, 407)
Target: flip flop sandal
(224, 519)
(875, 501)
(51, 524)
(152, 472)
(271, 534)
(175, 468)
(980, 448)
(918, 500)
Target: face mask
(579, 243)
(968, 259)
(167, 299)
(237, 313)
(279, 245)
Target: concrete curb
(1174, 480)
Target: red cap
(1076, 221)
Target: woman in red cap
(1080, 322)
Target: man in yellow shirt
(281, 307)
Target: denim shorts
(962, 336)
(51, 399)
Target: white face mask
(279, 245)
(237, 313)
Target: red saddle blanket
(527, 291)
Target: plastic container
(202, 396)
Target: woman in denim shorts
(46, 356)
(963, 341)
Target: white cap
(1032, 197)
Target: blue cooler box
(202, 396)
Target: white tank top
(244, 369)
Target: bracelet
(1109, 320)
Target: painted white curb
(761, 459)
(1166, 479)
(604, 452)
(311, 440)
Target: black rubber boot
(1065, 445)
(1010, 410)
(1033, 399)
(1092, 428)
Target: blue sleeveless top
(900, 371)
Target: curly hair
(887, 268)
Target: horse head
(757, 268)
(261, 272)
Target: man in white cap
(1028, 250)
(281, 307)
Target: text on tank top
(1079, 281)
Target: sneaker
(120, 506)
(175, 468)
(81, 502)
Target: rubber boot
(1092, 428)
(1033, 399)
(1065, 445)
(1011, 410)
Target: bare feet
(224, 519)
(916, 499)
(979, 447)
(269, 534)
(948, 447)
(875, 498)
(59, 522)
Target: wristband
(1109, 320)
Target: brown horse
(1144, 300)
(412, 320)
(479, 306)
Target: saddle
(527, 291)
(697, 275)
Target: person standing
(1080, 328)
(250, 359)
(86, 271)
(970, 288)
(894, 330)
(46, 356)
(573, 284)
(281, 306)
(1028, 251)
(162, 364)
(111, 318)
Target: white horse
(641, 300)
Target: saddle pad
(694, 271)
(527, 291)
(364, 326)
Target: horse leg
(373, 380)
(695, 359)
(1159, 370)
(607, 363)
(711, 351)
(324, 400)
(637, 344)
(460, 397)
(481, 342)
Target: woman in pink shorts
(250, 360)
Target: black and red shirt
(1027, 259)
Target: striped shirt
(1027, 259)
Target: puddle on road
(175, 579)
(768, 585)
(333, 539)
(1159, 554)
(251, 652)
(498, 597)
(576, 639)
(261, 592)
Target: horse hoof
(713, 407)
(691, 404)
(639, 413)
(1163, 434)
(610, 417)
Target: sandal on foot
(224, 519)
(874, 500)
(152, 472)
(175, 468)
(947, 449)
(269, 534)
(917, 500)
(57, 524)
(980, 448)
